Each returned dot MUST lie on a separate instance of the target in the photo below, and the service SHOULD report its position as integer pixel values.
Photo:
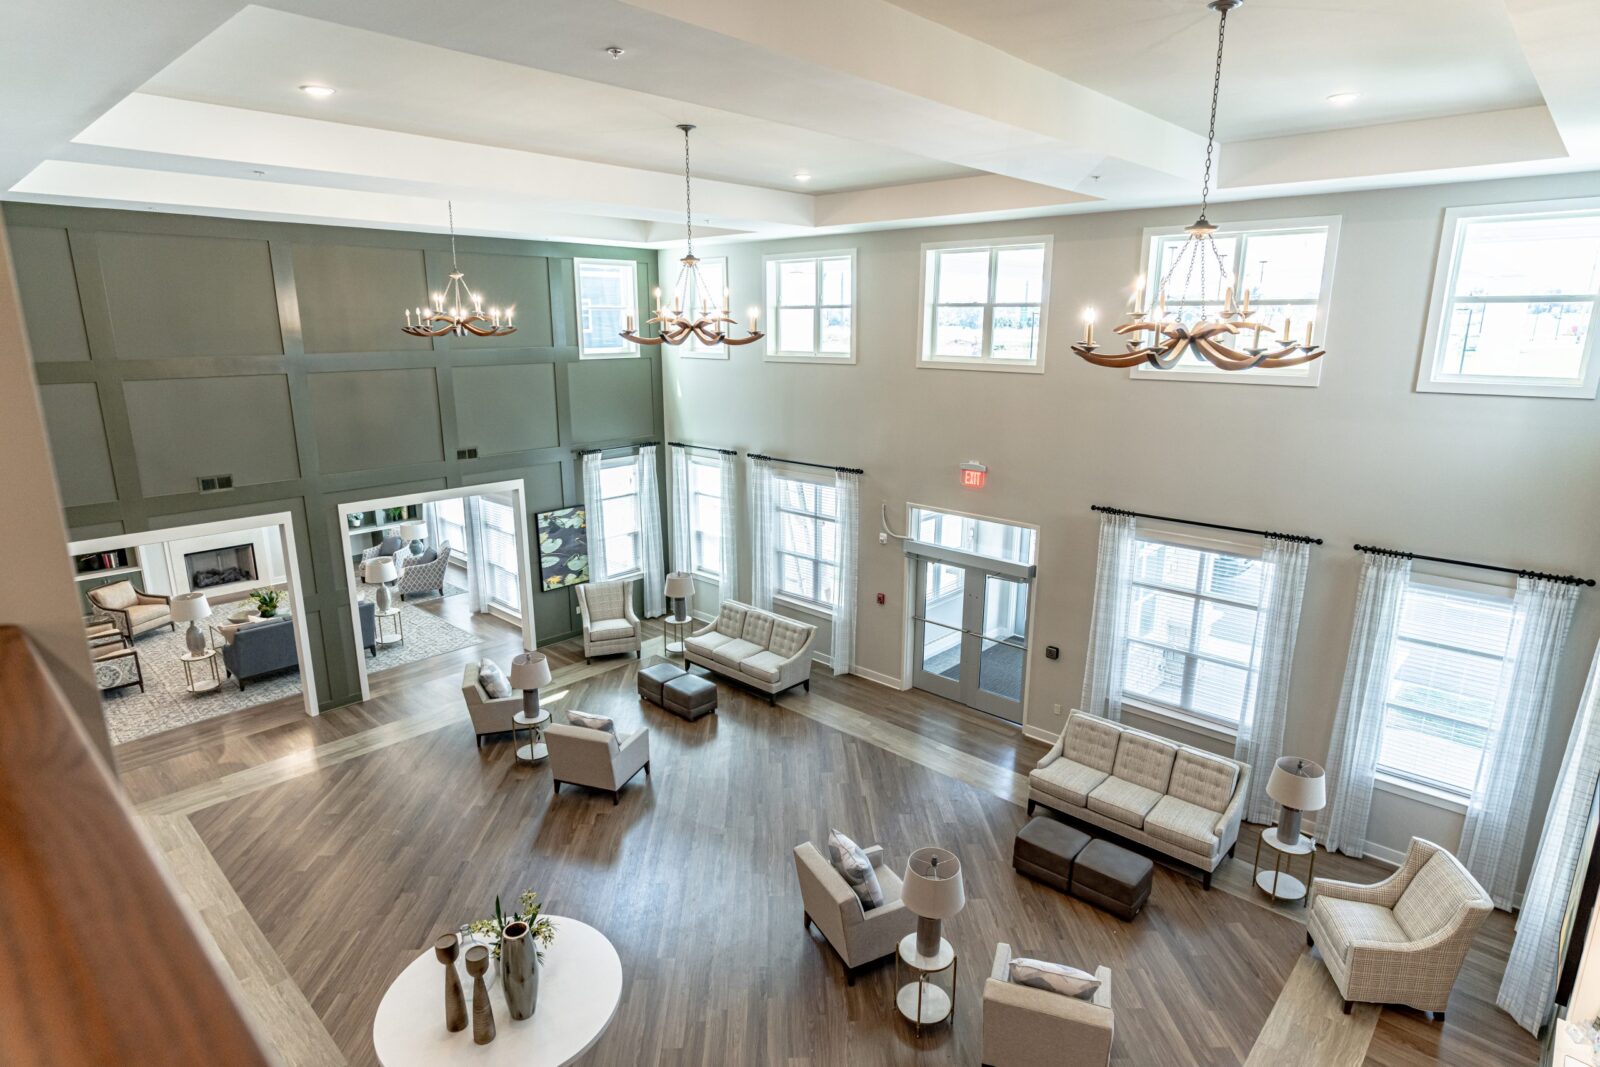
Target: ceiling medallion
(458, 310)
(677, 324)
(1211, 333)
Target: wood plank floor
(349, 841)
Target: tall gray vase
(519, 969)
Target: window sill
(1181, 719)
(609, 355)
(929, 363)
(1422, 794)
(809, 357)
(1568, 388)
(702, 576)
(809, 607)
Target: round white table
(580, 984)
(1278, 883)
(920, 1000)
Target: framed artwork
(563, 547)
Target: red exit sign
(973, 475)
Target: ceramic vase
(455, 1002)
(519, 969)
(477, 959)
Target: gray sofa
(256, 649)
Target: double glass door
(971, 633)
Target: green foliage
(489, 931)
(267, 601)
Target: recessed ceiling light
(802, 176)
(1343, 99)
(317, 90)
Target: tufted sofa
(1177, 800)
(764, 651)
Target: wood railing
(98, 961)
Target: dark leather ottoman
(652, 678)
(1112, 878)
(689, 696)
(1045, 849)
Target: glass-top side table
(1278, 883)
(922, 999)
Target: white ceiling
(904, 112)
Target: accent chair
(1028, 1027)
(134, 611)
(856, 935)
(610, 627)
(598, 759)
(422, 577)
(489, 715)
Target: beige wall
(1363, 457)
(37, 592)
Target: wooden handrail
(98, 961)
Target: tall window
(452, 518)
(714, 272)
(608, 292)
(1514, 300)
(983, 305)
(808, 541)
(1444, 680)
(1191, 630)
(705, 516)
(811, 307)
(498, 535)
(619, 501)
(1286, 267)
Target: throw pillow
(390, 545)
(428, 556)
(493, 680)
(1056, 977)
(592, 722)
(850, 860)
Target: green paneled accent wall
(170, 347)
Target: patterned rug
(166, 704)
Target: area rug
(426, 636)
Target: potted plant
(518, 941)
(267, 601)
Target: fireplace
(221, 566)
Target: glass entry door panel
(971, 632)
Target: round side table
(209, 657)
(534, 751)
(680, 624)
(1278, 883)
(922, 1000)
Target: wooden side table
(922, 1000)
(1278, 883)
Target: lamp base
(383, 597)
(1289, 826)
(530, 703)
(928, 936)
(195, 640)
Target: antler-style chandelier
(1209, 336)
(458, 310)
(682, 321)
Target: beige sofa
(1402, 940)
(1180, 801)
(764, 651)
(1028, 1027)
(857, 935)
(596, 758)
(134, 612)
(610, 627)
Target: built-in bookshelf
(97, 565)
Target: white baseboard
(888, 680)
(1039, 734)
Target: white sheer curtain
(1528, 989)
(730, 530)
(430, 516)
(594, 520)
(847, 490)
(1260, 739)
(478, 584)
(650, 553)
(1358, 724)
(763, 534)
(678, 511)
(1108, 632)
(1496, 828)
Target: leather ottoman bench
(652, 678)
(1044, 851)
(689, 696)
(1112, 878)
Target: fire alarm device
(973, 475)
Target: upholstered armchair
(858, 936)
(596, 758)
(489, 715)
(1401, 940)
(134, 612)
(610, 627)
(422, 577)
(1024, 1026)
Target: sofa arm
(874, 855)
(1227, 825)
(154, 598)
(631, 753)
(1055, 750)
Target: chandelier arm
(638, 340)
(1224, 357)
(1167, 357)
(1130, 359)
(748, 339)
(1292, 361)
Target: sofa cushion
(763, 665)
(1203, 779)
(1067, 779)
(493, 680)
(732, 653)
(1178, 822)
(757, 628)
(140, 614)
(850, 860)
(1434, 898)
(1123, 800)
(117, 595)
(1345, 922)
(589, 721)
(604, 600)
(788, 637)
(730, 618)
(1144, 760)
(705, 644)
(1055, 977)
(610, 629)
(1091, 741)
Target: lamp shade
(932, 887)
(190, 607)
(380, 569)
(1298, 783)
(530, 671)
(414, 531)
(680, 585)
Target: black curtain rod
(1300, 538)
(703, 448)
(1564, 579)
(803, 463)
(611, 448)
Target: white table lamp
(529, 672)
(380, 571)
(680, 588)
(416, 533)
(191, 608)
(932, 891)
(1300, 786)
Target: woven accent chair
(610, 628)
(1402, 940)
(422, 577)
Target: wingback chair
(422, 577)
(489, 715)
(858, 936)
(1028, 1027)
(610, 627)
(134, 612)
(1401, 940)
(596, 758)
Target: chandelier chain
(1211, 132)
(450, 206)
(688, 204)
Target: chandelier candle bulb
(1088, 326)
(1309, 323)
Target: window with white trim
(1191, 629)
(452, 519)
(714, 272)
(1444, 679)
(608, 294)
(808, 541)
(1514, 301)
(497, 533)
(705, 516)
(1286, 267)
(983, 305)
(811, 307)
(981, 537)
(619, 511)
